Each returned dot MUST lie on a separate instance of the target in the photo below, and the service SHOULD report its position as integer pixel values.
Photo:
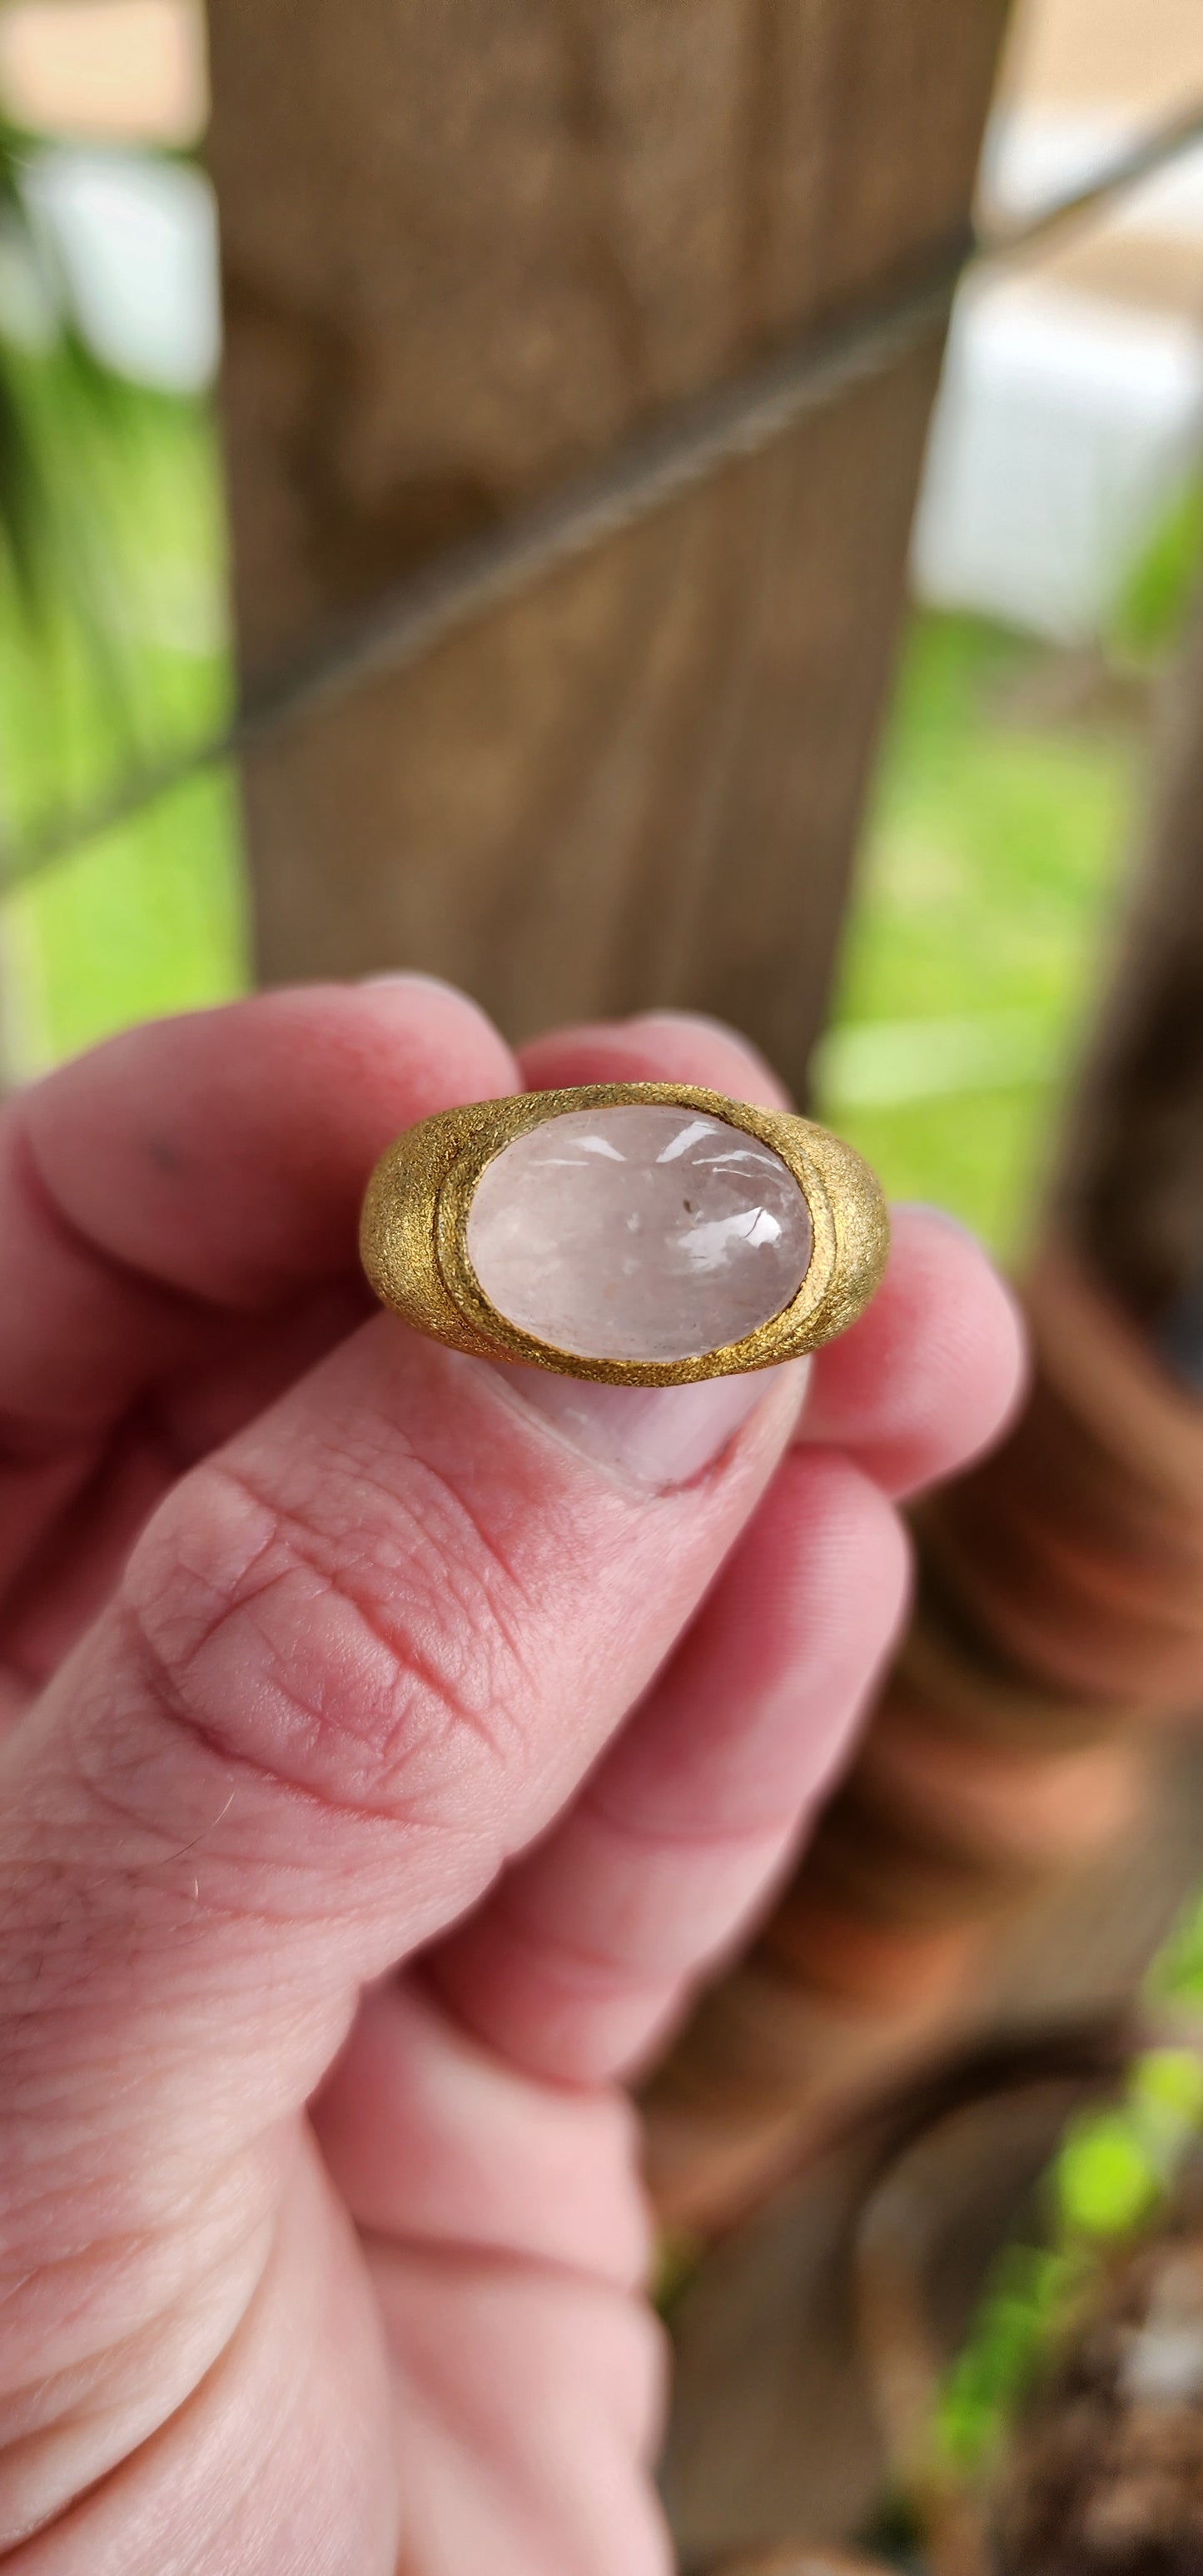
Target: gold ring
(639, 1233)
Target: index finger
(210, 1164)
(930, 1373)
(186, 1177)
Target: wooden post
(467, 249)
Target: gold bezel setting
(413, 1233)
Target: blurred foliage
(1113, 2175)
(1029, 2288)
(1005, 811)
(147, 917)
(1153, 606)
(987, 890)
(1176, 1977)
(61, 427)
(113, 651)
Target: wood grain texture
(467, 249)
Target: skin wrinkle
(29, 2101)
(466, 2254)
(637, 2412)
(529, 1915)
(49, 1217)
(410, 1670)
(567, 1973)
(71, 2001)
(362, 1890)
(128, 2462)
(129, 1877)
(361, 1893)
(646, 2326)
(655, 1834)
(355, 1465)
(182, 2202)
(599, 1967)
(178, 2322)
(429, 1549)
(106, 2260)
(166, 2203)
(616, 1808)
(520, 2261)
(569, 1550)
(70, 2007)
(188, 1305)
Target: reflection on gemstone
(641, 1232)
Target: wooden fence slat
(466, 250)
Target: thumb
(359, 1657)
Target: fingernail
(411, 975)
(937, 1216)
(768, 1087)
(665, 1017)
(657, 1436)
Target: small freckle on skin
(165, 1156)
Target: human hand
(320, 1646)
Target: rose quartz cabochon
(638, 1233)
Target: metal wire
(687, 446)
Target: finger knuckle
(360, 1655)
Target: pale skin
(323, 1648)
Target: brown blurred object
(811, 2340)
(929, 2227)
(1104, 2476)
(1101, 2473)
(1059, 1614)
(795, 2562)
(468, 250)
(1060, 1610)
(1059, 1624)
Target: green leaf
(1106, 2182)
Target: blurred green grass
(1001, 811)
(148, 918)
(1004, 806)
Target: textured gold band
(413, 1233)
